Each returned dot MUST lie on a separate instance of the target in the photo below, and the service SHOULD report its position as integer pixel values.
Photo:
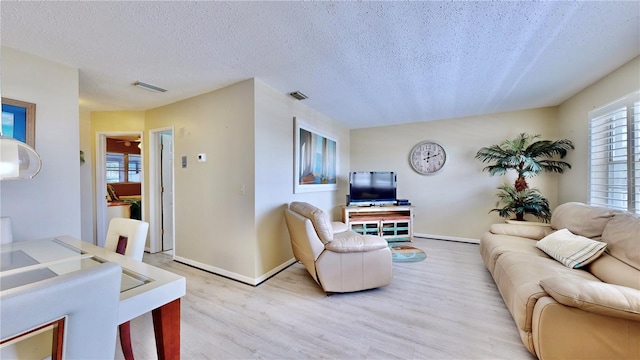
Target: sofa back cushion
(319, 218)
(613, 271)
(622, 234)
(581, 219)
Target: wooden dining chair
(127, 237)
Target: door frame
(101, 180)
(155, 196)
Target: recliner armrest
(593, 296)
(339, 226)
(350, 241)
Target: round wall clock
(427, 157)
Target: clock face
(427, 157)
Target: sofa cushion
(595, 296)
(319, 218)
(571, 250)
(492, 246)
(581, 219)
(613, 271)
(622, 234)
(350, 241)
(518, 276)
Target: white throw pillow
(571, 250)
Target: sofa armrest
(533, 232)
(350, 241)
(339, 226)
(595, 297)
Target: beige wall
(214, 222)
(454, 202)
(247, 131)
(274, 145)
(574, 124)
(49, 204)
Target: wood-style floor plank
(446, 307)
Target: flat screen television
(372, 188)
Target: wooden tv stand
(394, 223)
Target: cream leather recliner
(338, 259)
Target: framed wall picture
(19, 120)
(316, 159)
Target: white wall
(49, 204)
(574, 123)
(455, 201)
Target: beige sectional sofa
(588, 312)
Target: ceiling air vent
(149, 87)
(298, 95)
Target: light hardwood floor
(446, 307)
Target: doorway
(161, 190)
(119, 179)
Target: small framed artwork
(19, 121)
(316, 159)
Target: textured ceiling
(361, 63)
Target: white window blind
(614, 179)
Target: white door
(166, 176)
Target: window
(135, 168)
(117, 164)
(615, 154)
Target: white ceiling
(361, 63)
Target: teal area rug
(406, 253)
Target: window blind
(614, 179)
(636, 156)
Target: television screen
(372, 187)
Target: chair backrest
(320, 220)
(6, 232)
(305, 243)
(129, 235)
(87, 300)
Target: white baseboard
(447, 238)
(235, 276)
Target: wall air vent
(298, 95)
(140, 84)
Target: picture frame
(316, 159)
(19, 120)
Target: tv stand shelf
(394, 223)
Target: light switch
(184, 162)
(202, 157)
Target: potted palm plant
(528, 157)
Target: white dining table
(144, 288)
